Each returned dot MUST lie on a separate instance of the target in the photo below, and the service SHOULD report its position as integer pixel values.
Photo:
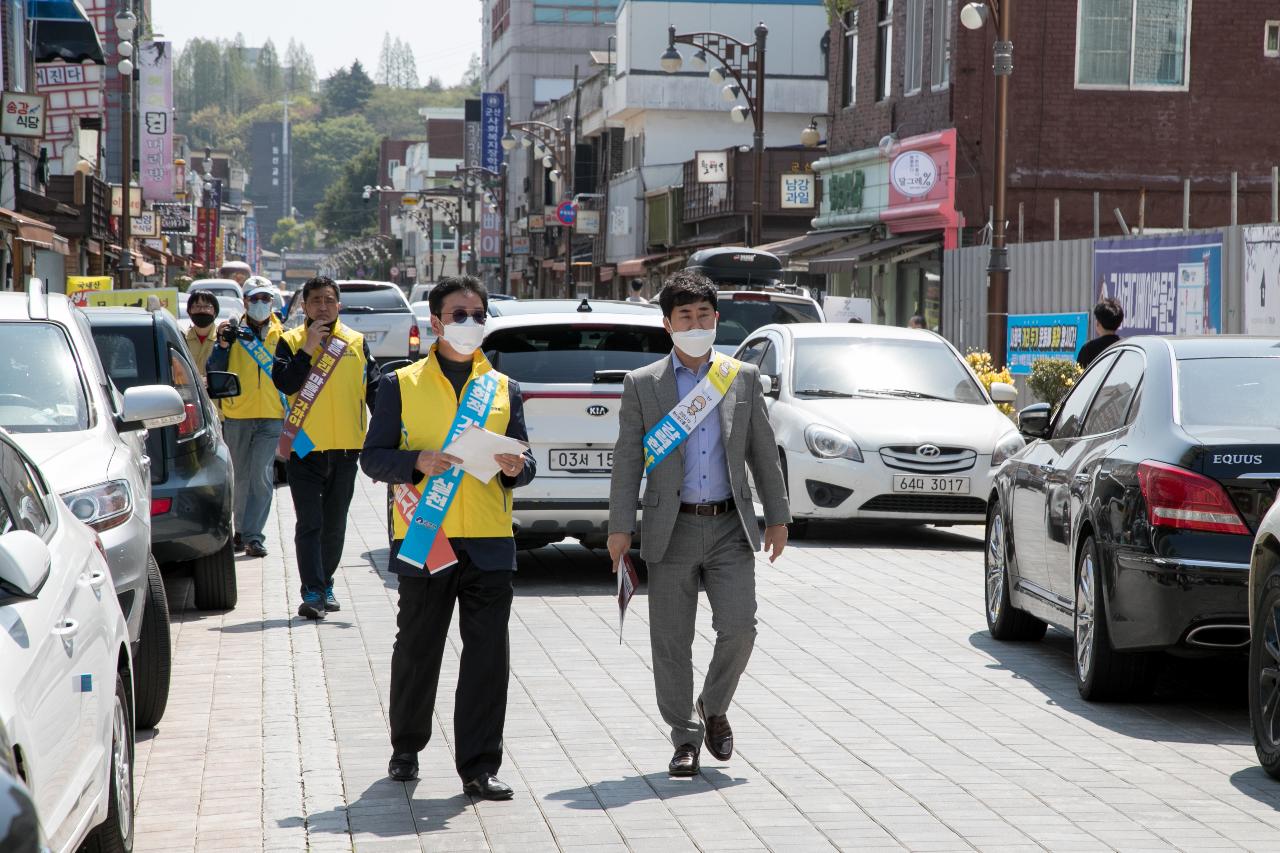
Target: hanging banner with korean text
(492, 126)
(252, 250)
(490, 237)
(155, 120)
(1167, 285)
(1033, 336)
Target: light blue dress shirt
(706, 473)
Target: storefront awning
(62, 30)
(811, 243)
(637, 266)
(846, 260)
(33, 232)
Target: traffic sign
(567, 212)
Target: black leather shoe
(237, 543)
(403, 766)
(685, 761)
(717, 734)
(486, 786)
(255, 549)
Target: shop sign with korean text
(588, 222)
(155, 120)
(1033, 336)
(1167, 285)
(22, 115)
(519, 245)
(797, 190)
(492, 125)
(536, 223)
(135, 199)
(713, 167)
(490, 237)
(175, 219)
(145, 224)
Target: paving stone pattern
(876, 715)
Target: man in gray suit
(699, 523)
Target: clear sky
(443, 33)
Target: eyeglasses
(261, 298)
(460, 315)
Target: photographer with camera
(252, 422)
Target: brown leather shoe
(717, 734)
(685, 761)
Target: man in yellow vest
(327, 372)
(252, 421)
(419, 408)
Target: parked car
(1130, 517)
(518, 307)
(228, 309)
(228, 287)
(192, 485)
(751, 293)
(570, 368)
(419, 292)
(877, 423)
(89, 439)
(422, 312)
(66, 683)
(19, 825)
(379, 311)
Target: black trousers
(480, 703)
(322, 484)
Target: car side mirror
(222, 384)
(1003, 392)
(1033, 421)
(770, 384)
(24, 561)
(151, 407)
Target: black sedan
(1128, 519)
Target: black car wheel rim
(995, 568)
(1269, 680)
(1086, 597)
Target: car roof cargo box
(735, 265)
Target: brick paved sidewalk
(876, 715)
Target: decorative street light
(126, 24)
(743, 64)
(811, 136)
(547, 138)
(974, 16)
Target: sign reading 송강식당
(1033, 336)
(155, 120)
(713, 167)
(492, 124)
(22, 115)
(1167, 285)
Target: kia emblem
(597, 411)
(928, 451)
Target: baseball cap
(258, 284)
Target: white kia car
(879, 423)
(227, 287)
(570, 366)
(66, 682)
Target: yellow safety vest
(339, 417)
(428, 405)
(259, 397)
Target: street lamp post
(126, 23)
(974, 16)
(549, 137)
(744, 64)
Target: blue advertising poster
(251, 253)
(1033, 336)
(1167, 285)
(492, 126)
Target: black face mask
(202, 321)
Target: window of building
(941, 76)
(574, 11)
(913, 62)
(849, 71)
(1271, 40)
(1133, 44)
(884, 49)
(500, 20)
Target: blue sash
(676, 426)
(265, 362)
(438, 492)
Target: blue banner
(492, 126)
(1167, 285)
(265, 361)
(1033, 336)
(251, 248)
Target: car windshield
(1228, 392)
(129, 355)
(741, 316)
(575, 352)
(512, 307)
(880, 367)
(227, 288)
(40, 387)
(372, 300)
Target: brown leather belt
(719, 508)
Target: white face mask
(694, 343)
(464, 337)
(259, 311)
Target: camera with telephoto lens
(234, 330)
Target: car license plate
(582, 461)
(931, 485)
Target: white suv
(379, 311)
(570, 366)
(61, 409)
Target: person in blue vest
(456, 544)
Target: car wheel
(1102, 673)
(215, 579)
(799, 527)
(1264, 676)
(115, 835)
(1004, 621)
(152, 665)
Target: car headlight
(1006, 447)
(103, 506)
(828, 443)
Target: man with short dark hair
(1108, 316)
(326, 370)
(420, 408)
(693, 423)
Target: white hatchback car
(570, 366)
(66, 683)
(227, 287)
(880, 423)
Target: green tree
(301, 77)
(345, 214)
(474, 75)
(347, 91)
(406, 66)
(386, 59)
(320, 150)
(434, 84)
(270, 77)
(297, 236)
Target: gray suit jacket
(648, 394)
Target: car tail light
(159, 506)
(185, 383)
(191, 422)
(415, 339)
(1185, 500)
